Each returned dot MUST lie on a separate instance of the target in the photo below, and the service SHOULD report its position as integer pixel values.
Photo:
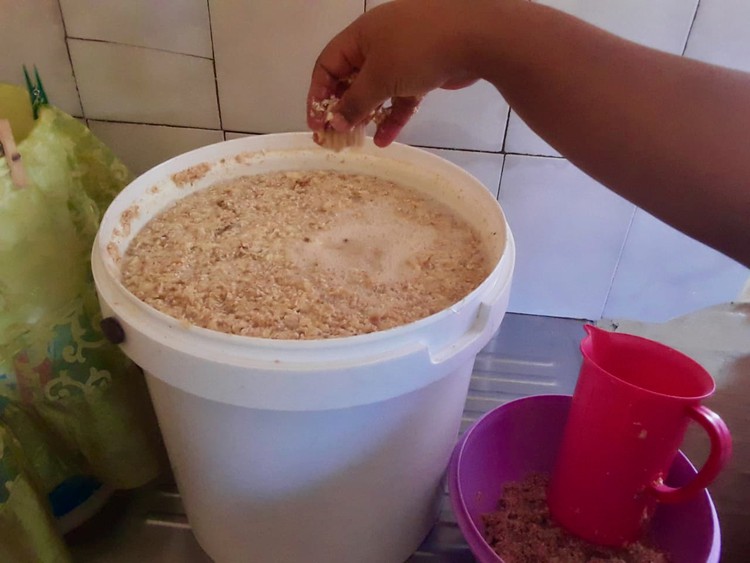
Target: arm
(670, 134)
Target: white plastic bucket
(317, 451)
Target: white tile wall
(124, 83)
(473, 118)
(485, 167)
(744, 295)
(721, 33)
(661, 24)
(150, 88)
(665, 274)
(142, 147)
(32, 33)
(264, 55)
(569, 231)
(181, 26)
(230, 135)
(520, 139)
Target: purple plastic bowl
(523, 436)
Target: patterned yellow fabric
(71, 404)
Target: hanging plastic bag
(75, 419)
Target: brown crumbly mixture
(522, 531)
(114, 253)
(334, 140)
(304, 255)
(127, 218)
(191, 175)
(329, 138)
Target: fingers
(399, 114)
(366, 93)
(459, 83)
(338, 61)
(321, 85)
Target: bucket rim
(104, 278)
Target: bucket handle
(483, 318)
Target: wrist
(488, 33)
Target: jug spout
(644, 363)
(592, 331)
(595, 338)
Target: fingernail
(340, 124)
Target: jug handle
(721, 451)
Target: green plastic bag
(74, 411)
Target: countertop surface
(719, 339)
(530, 355)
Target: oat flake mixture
(521, 530)
(304, 255)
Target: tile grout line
(120, 121)
(213, 62)
(505, 133)
(457, 149)
(120, 44)
(420, 146)
(200, 128)
(480, 151)
(243, 132)
(690, 29)
(500, 181)
(536, 155)
(617, 263)
(70, 60)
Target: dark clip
(112, 330)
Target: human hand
(398, 51)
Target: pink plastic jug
(631, 407)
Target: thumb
(366, 93)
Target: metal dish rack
(529, 355)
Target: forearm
(670, 134)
